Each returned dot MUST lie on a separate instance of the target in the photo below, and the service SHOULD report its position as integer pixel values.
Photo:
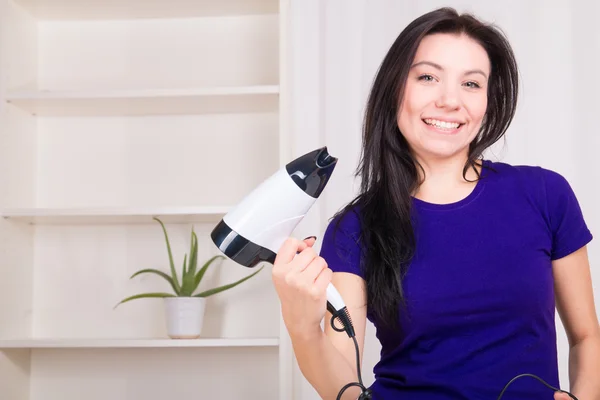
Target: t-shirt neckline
(477, 190)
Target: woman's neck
(444, 182)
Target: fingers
(307, 242)
(316, 266)
(295, 269)
(288, 250)
(313, 278)
(291, 247)
(310, 240)
(323, 279)
(299, 266)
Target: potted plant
(184, 308)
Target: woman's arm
(327, 359)
(575, 305)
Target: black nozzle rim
(312, 171)
(324, 159)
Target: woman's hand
(301, 277)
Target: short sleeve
(340, 246)
(569, 229)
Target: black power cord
(344, 318)
(539, 379)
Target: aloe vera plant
(191, 276)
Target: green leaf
(219, 289)
(172, 264)
(188, 280)
(202, 271)
(145, 295)
(193, 254)
(159, 273)
(186, 283)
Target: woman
(458, 261)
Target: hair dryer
(254, 230)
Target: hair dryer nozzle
(312, 171)
(324, 159)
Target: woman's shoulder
(530, 175)
(341, 241)
(547, 187)
(558, 202)
(347, 220)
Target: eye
(473, 85)
(426, 78)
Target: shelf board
(136, 343)
(134, 9)
(137, 215)
(139, 102)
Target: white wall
(558, 51)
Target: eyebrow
(437, 66)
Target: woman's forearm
(324, 366)
(584, 368)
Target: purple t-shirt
(479, 291)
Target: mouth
(443, 127)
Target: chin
(442, 151)
(443, 146)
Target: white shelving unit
(258, 99)
(133, 343)
(113, 112)
(131, 215)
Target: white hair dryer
(254, 230)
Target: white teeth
(442, 124)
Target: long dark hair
(387, 168)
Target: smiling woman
(460, 262)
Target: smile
(443, 126)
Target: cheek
(419, 98)
(412, 107)
(477, 108)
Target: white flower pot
(184, 316)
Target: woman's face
(445, 97)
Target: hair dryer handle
(334, 300)
(339, 312)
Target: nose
(448, 98)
